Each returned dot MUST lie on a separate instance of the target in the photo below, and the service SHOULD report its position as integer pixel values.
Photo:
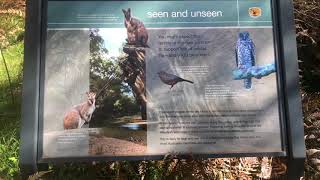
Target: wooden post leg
(295, 168)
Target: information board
(144, 78)
(138, 80)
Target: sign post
(296, 144)
(136, 80)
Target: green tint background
(108, 14)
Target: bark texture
(133, 67)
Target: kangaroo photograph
(102, 88)
(136, 31)
(115, 104)
(81, 113)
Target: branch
(254, 71)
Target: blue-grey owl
(245, 55)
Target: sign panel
(144, 78)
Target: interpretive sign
(142, 79)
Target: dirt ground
(101, 145)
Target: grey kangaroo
(136, 31)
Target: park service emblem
(255, 12)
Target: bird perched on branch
(245, 55)
(171, 79)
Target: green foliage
(9, 147)
(154, 170)
(14, 57)
(9, 113)
(11, 46)
(11, 34)
(11, 27)
(114, 98)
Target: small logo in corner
(255, 12)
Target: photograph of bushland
(117, 78)
(94, 84)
